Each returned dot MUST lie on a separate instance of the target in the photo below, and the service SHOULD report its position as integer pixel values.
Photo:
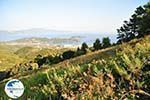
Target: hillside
(11, 55)
(7, 57)
(31, 40)
(29, 53)
(44, 42)
(117, 72)
(84, 59)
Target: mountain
(36, 41)
(46, 40)
(88, 37)
(30, 40)
(35, 30)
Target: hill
(11, 55)
(118, 72)
(29, 53)
(45, 42)
(31, 40)
(7, 57)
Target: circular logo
(14, 88)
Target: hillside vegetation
(14, 55)
(124, 75)
(29, 53)
(7, 57)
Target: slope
(118, 72)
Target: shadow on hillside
(4, 74)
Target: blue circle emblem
(14, 88)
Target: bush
(68, 54)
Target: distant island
(45, 42)
(46, 37)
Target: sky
(69, 15)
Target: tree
(39, 60)
(78, 49)
(128, 30)
(57, 59)
(106, 42)
(84, 46)
(145, 22)
(79, 52)
(97, 44)
(68, 54)
(137, 26)
(48, 59)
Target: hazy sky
(74, 15)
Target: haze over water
(84, 37)
(97, 18)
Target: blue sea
(89, 38)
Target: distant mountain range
(35, 30)
(46, 40)
(37, 36)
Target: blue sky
(72, 15)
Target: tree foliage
(84, 46)
(137, 26)
(106, 42)
(97, 44)
(68, 54)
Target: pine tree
(97, 44)
(106, 42)
(137, 26)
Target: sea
(89, 38)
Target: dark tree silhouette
(68, 54)
(106, 42)
(78, 49)
(49, 59)
(57, 59)
(39, 60)
(79, 52)
(84, 46)
(97, 44)
(138, 25)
